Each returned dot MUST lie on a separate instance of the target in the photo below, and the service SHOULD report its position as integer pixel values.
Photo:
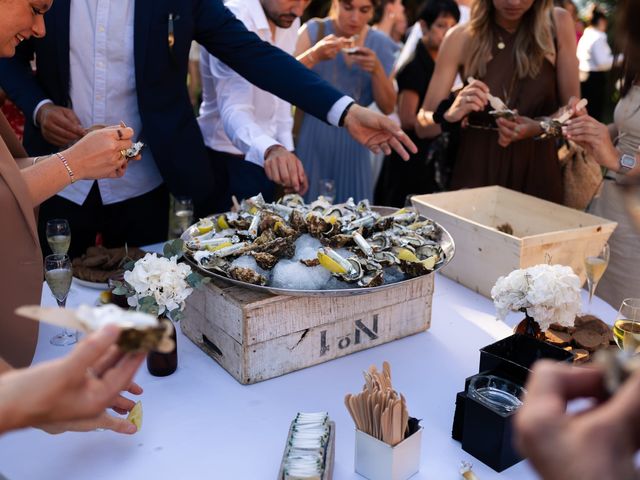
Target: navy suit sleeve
(19, 82)
(264, 65)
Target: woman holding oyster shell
(524, 52)
(356, 59)
(26, 182)
(616, 147)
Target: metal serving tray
(446, 241)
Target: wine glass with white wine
(58, 274)
(596, 266)
(58, 235)
(626, 329)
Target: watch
(626, 163)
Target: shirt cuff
(37, 109)
(333, 117)
(258, 149)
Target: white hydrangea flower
(549, 293)
(164, 279)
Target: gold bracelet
(66, 165)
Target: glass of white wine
(58, 274)
(58, 235)
(596, 266)
(626, 329)
(182, 215)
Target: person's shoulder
(563, 19)
(240, 8)
(379, 39)
(460, 33)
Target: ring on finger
(123, 152)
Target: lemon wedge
(135, 415)
(407, 255)
(222, 222)
(332, 219)
(253, 211)
(205, 225)
(330, 264)
(213, 248)
(105, 297)
(430, 262)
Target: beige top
(622, 278)
(21, 278)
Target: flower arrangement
(159, 285)
(547, 293)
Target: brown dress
(20, 257)
(528, 166)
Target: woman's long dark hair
(629, 38)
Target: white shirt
(594, 53)
(103, 90)
(236, 116)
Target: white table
(201, 423)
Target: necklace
(501, 44)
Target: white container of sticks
(388, 441)
(377, 460)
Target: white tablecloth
(200, 423)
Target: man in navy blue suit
(104, 61)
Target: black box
(484, 433)
(488, 435)
(512, 357)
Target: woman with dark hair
(615, 147)
(356, 59)
(399, 178)
(524, 52)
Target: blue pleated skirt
(328, 152)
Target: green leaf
(176, 315)
(195, 280)
(174, 248)
(148, 305)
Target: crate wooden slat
(542, 230)
(257, 336)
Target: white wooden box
(542, 232)
(256, 336)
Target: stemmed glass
(626, 329)
(58, 235)
(596, 266)
(327, 189)
(182, 215)
(58, 274)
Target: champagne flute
(58, 235)
(58, 274)
(182, 215)
(596, 266)
(626, 329)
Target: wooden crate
(256, 336)
(543, 231)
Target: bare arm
(449, 61)
(97, 155)
(384, 93)
(408, 101)
(566, 61)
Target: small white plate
(94, 285)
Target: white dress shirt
(594, 53)
(103, 90)
(236, 116)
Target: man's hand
(599, 443)
(285, 168)
(377, 132)
(59, 125)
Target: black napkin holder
(483, 432)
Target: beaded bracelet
(66, 165)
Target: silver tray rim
(446, 241)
